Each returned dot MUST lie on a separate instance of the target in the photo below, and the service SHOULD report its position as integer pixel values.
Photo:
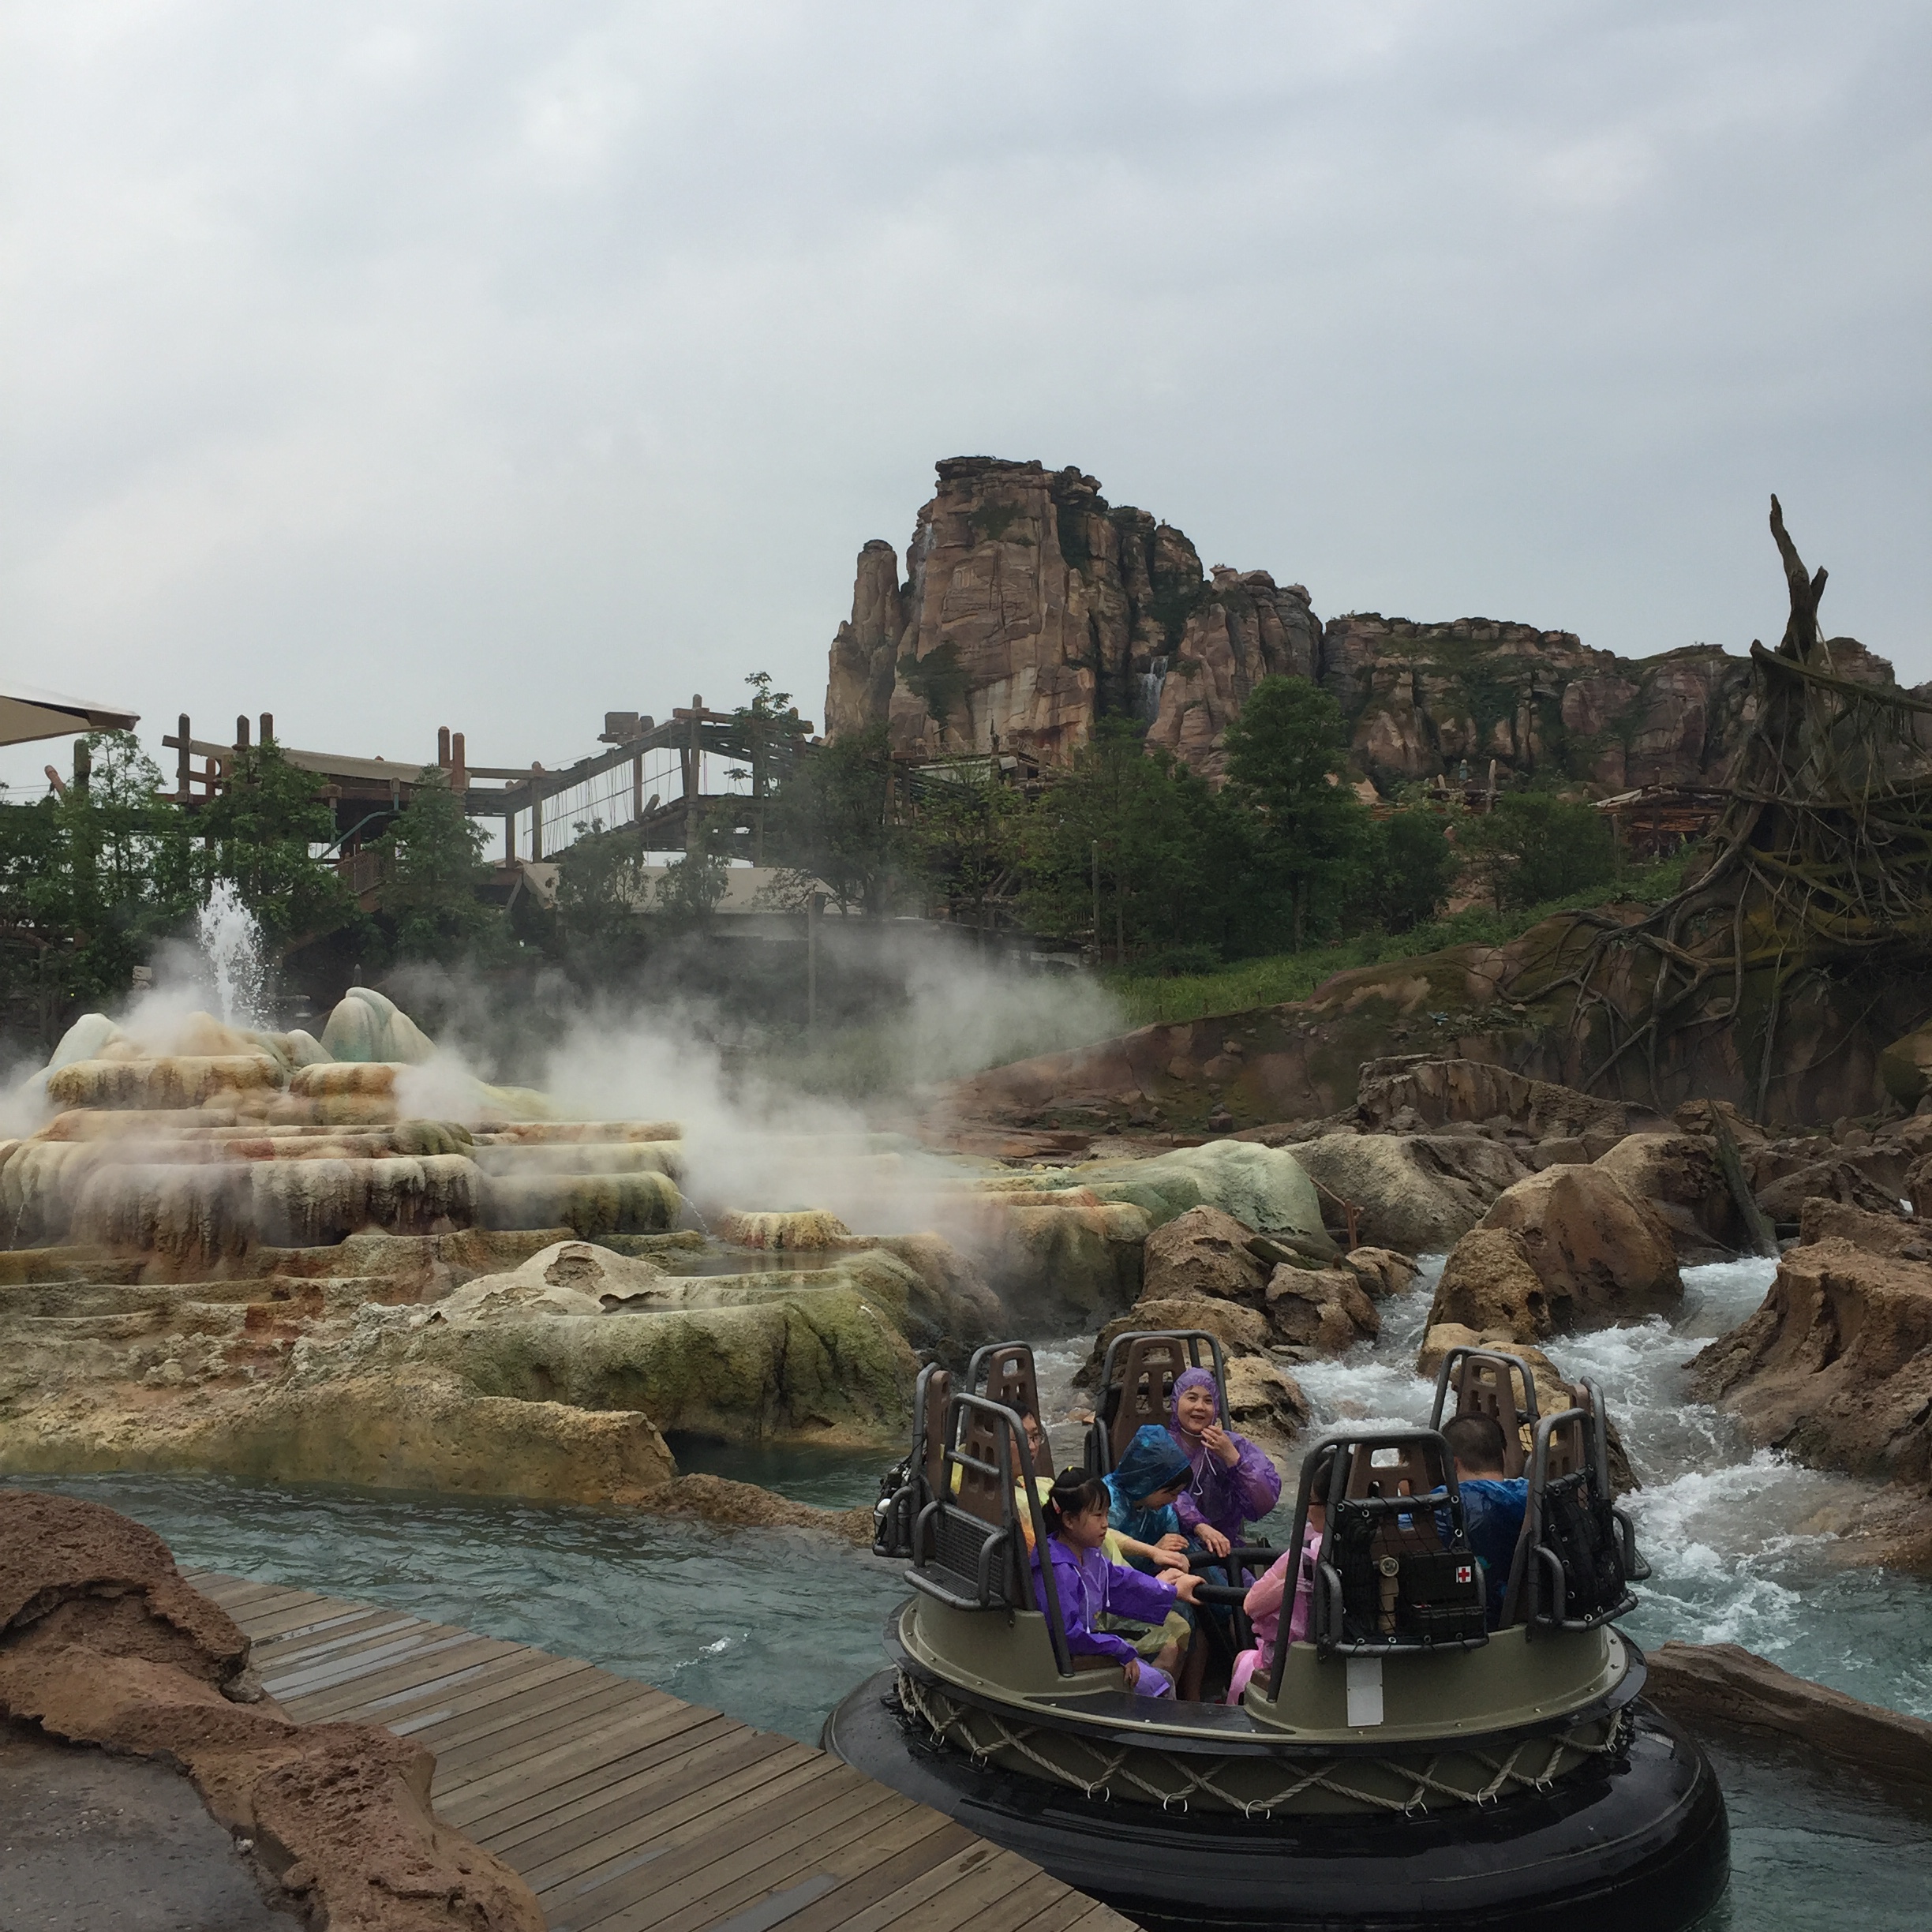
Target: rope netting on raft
(1820, 866)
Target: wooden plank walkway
(626, 1810)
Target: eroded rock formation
(1836, 1367)
(103, 1643)
(1030, 608)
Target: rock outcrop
(1418, 1193)
(1836, 1367)
(1682, 1178)
(1203, 1252)
(103, 1643)
(1727, 1685)
(1030, 608)
(1569, 1248)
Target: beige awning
(27, 713)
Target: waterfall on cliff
(1151, 681)
(231, 942)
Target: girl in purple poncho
(1233, 1484)
(1075, 1513)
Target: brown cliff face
(1032, 608)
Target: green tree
(1409, 867)
(1168, 854)
(1539, 846)
(259, 830)
(966, 839)
(90, 878)
(831, 821)
(601, 890)
(1286, 766)
(688, 891)
(436, 854)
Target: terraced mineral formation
(252, 1256)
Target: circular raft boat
(1418, 1762)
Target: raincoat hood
(1191, 1379)
(1152, 1461)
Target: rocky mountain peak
(1031, 609)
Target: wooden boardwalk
(626, 1810)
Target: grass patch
(1283, 976)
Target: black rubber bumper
(1640, 1845)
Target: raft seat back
(935, 1394)
(1570, 1447)
(1003, 1372)
(908, 1485)
(1489, 1381)
(1148, 1363)
(1578, 1552)
(968, 1548)
(1487, 1385)
(1396, 1571)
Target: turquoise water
(774, 1627)
(771, 1626)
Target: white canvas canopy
(27, 713)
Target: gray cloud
(387, 366)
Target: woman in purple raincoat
(1075, 1513)
(1233, 1483)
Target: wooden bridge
(626, 1810)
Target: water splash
(230, 939)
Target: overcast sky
(494, 363)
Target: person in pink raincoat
(1263, 1606)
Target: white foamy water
(231, 939)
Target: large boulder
(368, 1025)
(1905, 1067)
(827, 1361)
(1265, 1401)
(108, 1647)
(1872, 1175)
(1064, 1260)
(1418, 1193)
(1489, 1284)
(1325, 1311)
(1203, 1252)
(1262, 1187)
(1382, 1271)
(1602, 1254)
(1680, 1176)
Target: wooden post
(442, 747)
(184, 774)
(268, 728)
(459, 764)
(84, 766)
(636, 789)
(535, 821)
(693, 783)
(814, 912)
(242, 734)
(757, 789)
(509, 838)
